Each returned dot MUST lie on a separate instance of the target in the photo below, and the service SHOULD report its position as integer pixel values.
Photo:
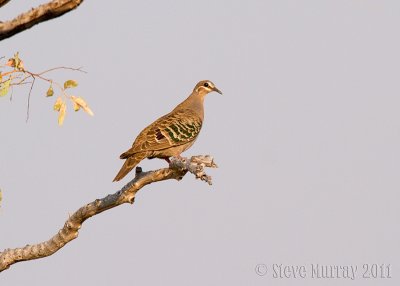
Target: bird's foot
(138, 170)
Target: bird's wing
(174, 129)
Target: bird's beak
(217, 90)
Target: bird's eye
(206, 84)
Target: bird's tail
(129, 164)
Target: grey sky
(306, 135)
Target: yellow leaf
(50, 91)
(61, 114)
(70, 83)
(16, 59)
(5, 87)
(79, 102)
(76, 106)
(58, 104)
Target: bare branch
(3, 2)
(178, 168)
(42, 13)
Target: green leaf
(70, 83)
(5, 87)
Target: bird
(171, 134)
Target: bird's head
(206, 86)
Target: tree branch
(177, 169)
(42, 13)
(3, 2)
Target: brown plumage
(171, 134)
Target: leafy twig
(18, 75)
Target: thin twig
(15, 84)
(12, 92)
(66, 68)
(29, 99)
